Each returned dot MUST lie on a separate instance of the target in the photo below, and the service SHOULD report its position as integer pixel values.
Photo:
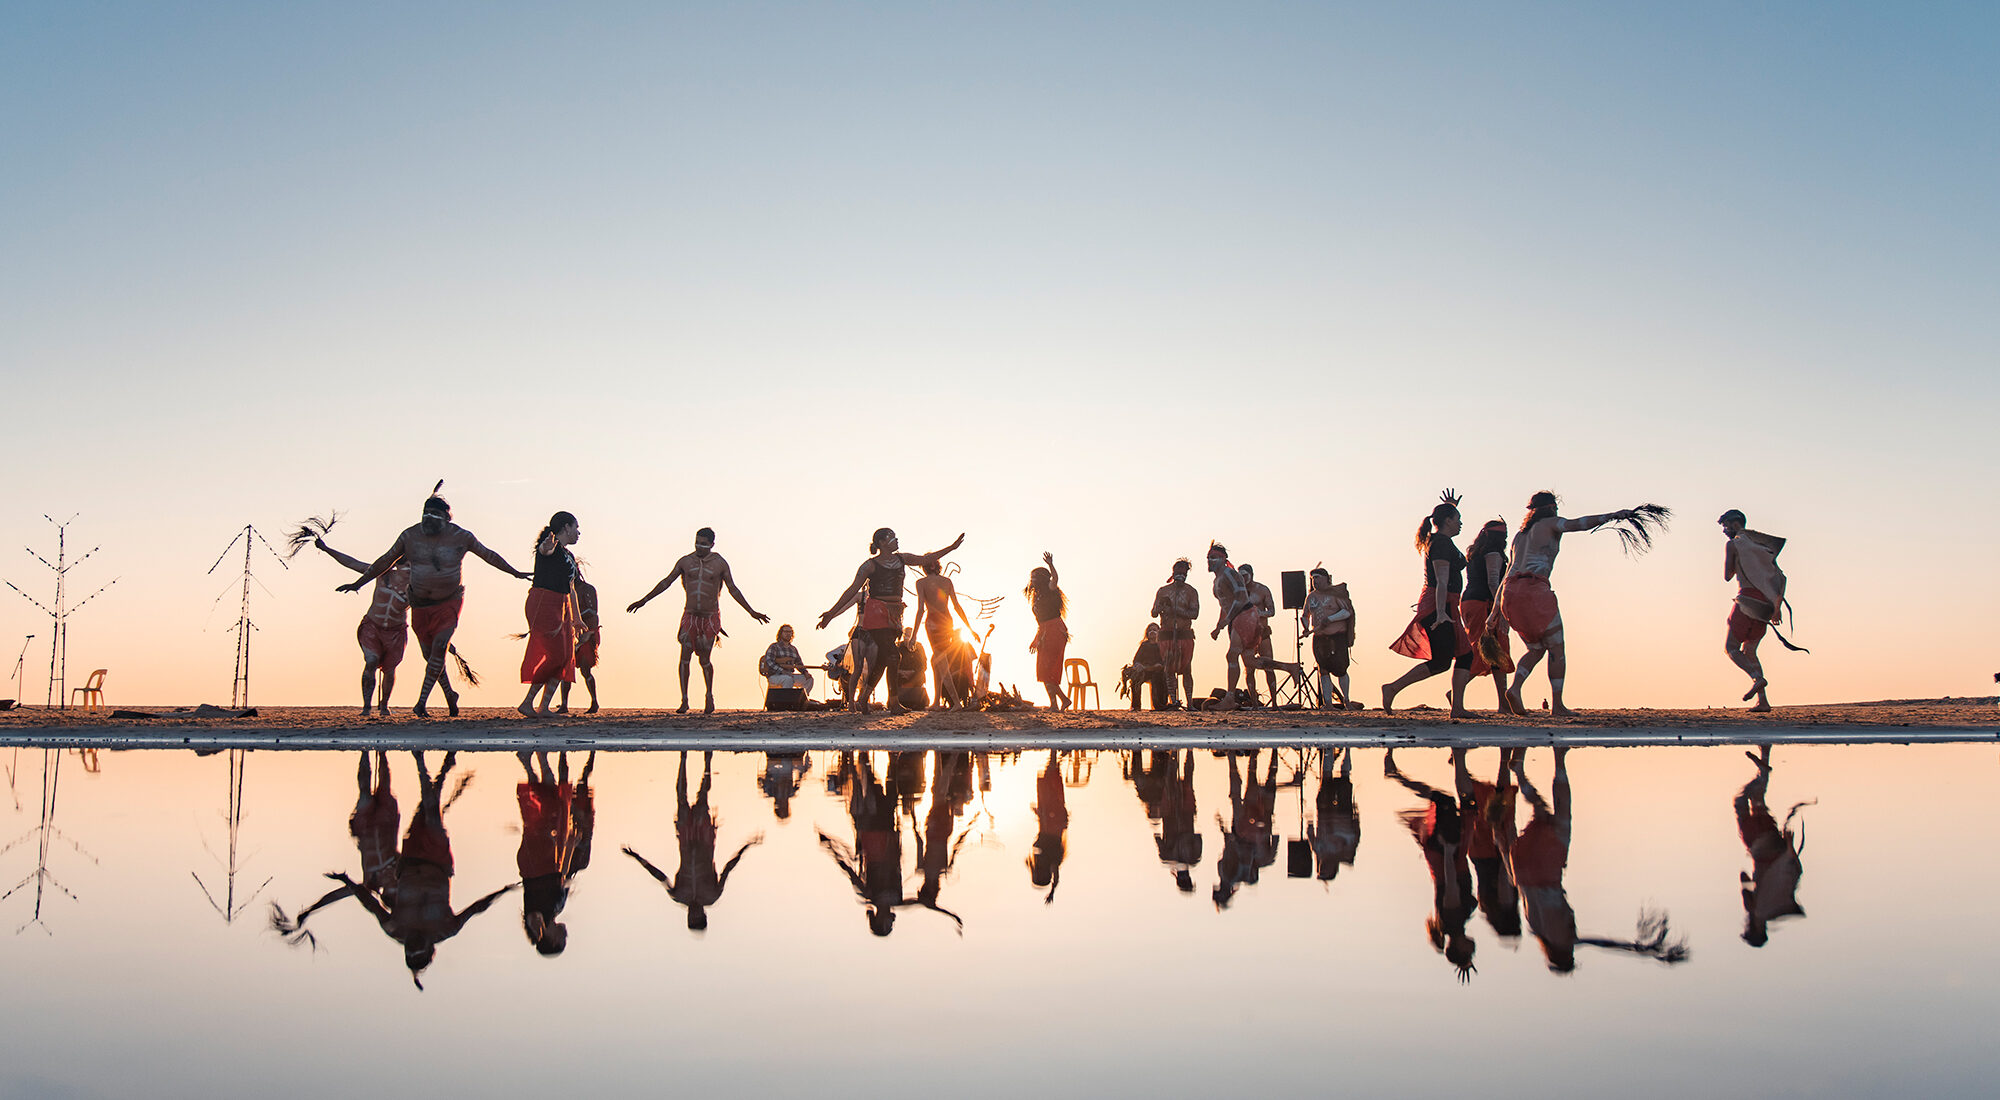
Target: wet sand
(488, 728)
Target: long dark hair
(1492, 539)
(881, 533)
(1540, 506)
(556, 523)
(1039, 582)
(1431, 523)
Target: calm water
(1278, 922)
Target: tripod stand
(1303, 690)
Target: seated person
(911, 661)
(782, 667)
(1149, 666)
(840, 669)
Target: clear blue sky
(1103, 279)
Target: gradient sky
(1107, 280)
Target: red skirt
(551, 652)
(385, 642)
(1416, 640)
(429, 622)
(1051, 646)
(1530, 607)
(1476, 613)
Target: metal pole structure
(59, 614)
(239, 684)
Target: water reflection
(557, 820)
(697, 884)
(47, 838)
(1771, 887)
(1249, 840)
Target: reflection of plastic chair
(1079, 679)
(92, 690)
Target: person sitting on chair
(1149, 667)
(781, 666)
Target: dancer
(384, 631)
(697, 885)
(951, 658)
(1230, 600)
(1177, 605)
(551, 611)
(872, 645)
(1751, 560)
(1435, 636)
(1045, 597)
(590, 630)
(435, 551)
(1527, 602)
(703, 575)
(1257, 652)
(1330, 618)
(1771, 888)
(1486, 569)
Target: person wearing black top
(1149, 667)
(1435, 636)
(551, 656)
(873, 642)
(1051, 644)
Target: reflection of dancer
(697, 884)
(435, 551)
(1770, 890)
(1440, 832)
(1486, 570)
(874, 865)
(551, 612)
(937, 847)
(1490, 839)
(1179, 840)
(1528, 603)
(872, 646)
(1540, 854)
(1177, 605)
(703, 576)
(1335, 832)
(413, 904)
(374, 824)
(1249, 842)
(1436, 636)
(1051, 644)
(556, 825)
(1052, 829)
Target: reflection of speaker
(1293, 581)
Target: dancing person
(1486, 568)
(384, 631)
(1231, 601)
(1046, 599)
(781, 666)
(1177, 604)
(698, 884)
(1435, 637)
(1148, 668)
(590, 631)
(951, 658)
(435, 551)
(703, 575)
(1771, 887)
(551, 612)
(1751, 560)
(1330, 618)
(1528, 603)
(872, 645)
(1257, 651)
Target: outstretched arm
(390, 557)
(1587, 523)
(962, 616)
(665, 583)
(360, 566)
(848, 597)
(722, 880)
(480, 906)
(493, 558)
(729, 582)
(936, 557)
(650, 869)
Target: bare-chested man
(1177, 605)
(434, 550)
(1527, 602)
(1257, 651)
(1230, 600)
(385, 631)
(1750, 558)
(703, 574)
(1330, 617)
(873, 643)
(951, 658)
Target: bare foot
(1457, 712)
(451, 703)
(708, 706)
(1562, 712)
(1514, 701)
(1763, 707)
(420, 710)
(367, 710)
(1755, 687)
(593, 708)
(683, 707)
(1388, 699)
(526, 710)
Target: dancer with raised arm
(703, 575)
(1330, 618)
(951, 658)
(550, 659)
(1231, 603)
(1528, 603)
(1177, 605)
(384, 631)
(435, 551)
(1751, 560)
(1051, 644)
(873, 643)
(1486, 569)
(1436, 637)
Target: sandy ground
(304, 727)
